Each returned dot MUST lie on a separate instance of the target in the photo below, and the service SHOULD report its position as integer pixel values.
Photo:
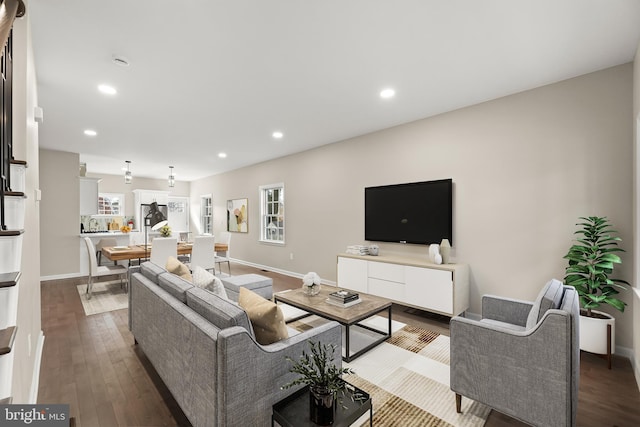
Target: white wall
(25, 138)
(636, 213)
(524, 168)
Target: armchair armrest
(250, 372)
(505, 309)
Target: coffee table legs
(383, 337)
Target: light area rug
(105, 296)
(407, 377)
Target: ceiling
(210, 76)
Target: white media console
(439, 288)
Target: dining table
(121, 253)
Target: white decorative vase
(445, 250)
(434, 249)
(593, 333)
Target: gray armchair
(522, 358)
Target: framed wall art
(237, 215)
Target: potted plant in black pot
(591, 262)
(324, 378)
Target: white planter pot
(593, 333)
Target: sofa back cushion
(151, 271)
(549, 297)
(175, 285)
(220, 312)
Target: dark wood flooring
(90, 362)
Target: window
(110, 204)
(206, 214)
(272, 213)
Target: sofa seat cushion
(266, 317)
(257, 283)
(179, 269)
(175, 285)
(505, 325)
(207, 281)
(220, 312)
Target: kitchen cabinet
(88, 195)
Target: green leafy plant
(318, 369)
(165, 231)
(591, 261)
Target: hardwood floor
(90, 362)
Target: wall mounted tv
(417, 212)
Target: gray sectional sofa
(203, 348)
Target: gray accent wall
(524, 168)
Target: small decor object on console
(445, 251)
(324, 379)
(373, 250)
(434, 249)
(311, 283)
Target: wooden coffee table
(348, 317)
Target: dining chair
(162, 248)
(104, 242)
(223, 256)
(203, 253)
(96, 270)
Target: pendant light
(127, 175)
(172, 177)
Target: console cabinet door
(352, 274)
(429, 288)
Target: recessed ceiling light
(107, 90)
(222, 155)
(387, 93)
(90, 132)
(277, 135)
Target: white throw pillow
(205, 280)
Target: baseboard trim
(62, 276)
(35, 381)
(279, 271)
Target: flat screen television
(417, 212)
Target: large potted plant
(324, 378)
(591, 262)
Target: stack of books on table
(358, 250)
(343, 298)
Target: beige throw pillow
(207, 281)
(266, 317)
(179, 269)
